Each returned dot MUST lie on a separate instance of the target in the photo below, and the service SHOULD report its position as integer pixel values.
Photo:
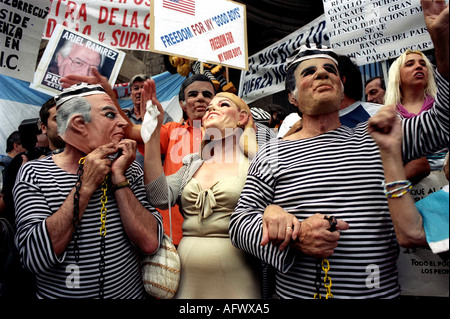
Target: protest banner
(204, 30)
(122, 24)
(70, 52)
(376, 30)
(21, 26)
(266, 70)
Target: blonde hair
(393, 90)
(247, 140)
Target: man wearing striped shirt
(82, 217)
(329, 177)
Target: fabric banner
(204, 30)
(21, 27)
(19, 102)
(122, 24)
(366, 30)
(372, 31)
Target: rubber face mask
(318, 86)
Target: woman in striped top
(328, 169)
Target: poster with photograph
(71, 52)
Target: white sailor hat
(78, 90)
(312, 51)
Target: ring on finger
(333, 222)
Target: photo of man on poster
(70, 52)
(73, 58)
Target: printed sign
(374, 30)
(21, 26)
(422, 273)
(204, 30)
(122, 24)
(70, 52)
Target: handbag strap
(170, 212)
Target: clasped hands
(311, 236)
(98, 164)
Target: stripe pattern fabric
(337, 173)
(40, 190)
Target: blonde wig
(247, 140)
(394, 92)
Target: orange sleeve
(165, 137)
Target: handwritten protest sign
(376, 30)
(21, 26)
(267, 69)
(209, 31)
(71, 52)
(122, 24)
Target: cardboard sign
(204, 30)
(21, 26)
(372, 31)
(70, 52)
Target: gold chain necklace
(76, 224)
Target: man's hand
(148, 93)
(96, 78)
(315, 239)
(383, 121)
(97, 166)
(436, 20)
(127, 149)
(386, 129)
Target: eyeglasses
(78, 64)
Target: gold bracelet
(126, 183)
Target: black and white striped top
(40, 190)
(338, 173)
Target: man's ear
(292, 99)
(16, 147)
(77, 124)
(182, 105)
(43, 128)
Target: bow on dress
(205, 204)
